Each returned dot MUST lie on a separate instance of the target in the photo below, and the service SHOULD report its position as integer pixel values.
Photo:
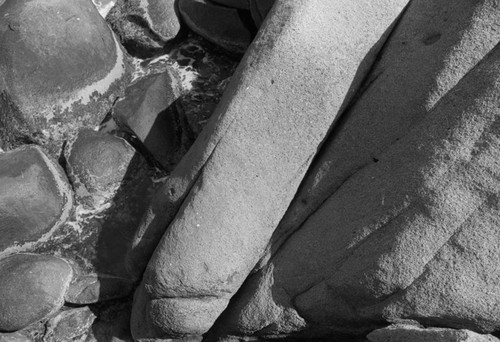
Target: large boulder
(411, 235)
(255, 150)
(35, 198)
(60, 68)
(32, 287)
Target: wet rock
(227, 27)
(412, 236)
(150, 111)
(69, 324)
(35, 198)
(43, 279)
(61, 68)
(255, 150)
(404, 333)
(144, 26)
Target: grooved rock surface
(61, 68)
(410, 236)
(404, 333)
(227, 27)
(35, 198)
(144, 26)
(31, 287)
(255, 150)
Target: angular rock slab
(35, 198)
(412, 236)
(61, 68)
(32, 287)
(69, 324)
(255, 150)
(224, 26)
(144, 26)
(404, 333)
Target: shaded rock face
(35, 198)
(61, 68)
(43, 280)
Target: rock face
(43, 280)
(35, 198)
(144, 26)
(227, 27)
(410, 234)
(61, 68)
(149, 111)
(214, 242)
(404, 333)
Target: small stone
(32, 287)
(69, 324)
(406, 333)
(14, 337)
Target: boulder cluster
(217, 170)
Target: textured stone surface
(43, 280)
(412, 236)
(227, 27)
(69, 324)
(61, 67)
(14, 337)
(149, 110)
(255, 150)
(35, 198)
(144, 26)
(404, 333)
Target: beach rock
(144, 26)
(61, 68)
(227, 27)
(97, 163)
(149, 110)
(43, 279)
(69, 324)
(404, 333)
(255, 150)
(411, 236)
(14, 337)
(35, 198)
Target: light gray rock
(14, 337)
(412, 236)
(404, 333)
(32, 287)
(69, 324)
(255, 151)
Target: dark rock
(241, 4)
(32, 287)
(405, 333)
(69, 324)
(144, 26)
(149, 110)
(254, 150)
(259, 10)
(61, 69)
(227, 27)
(35, 198)
(113, 324)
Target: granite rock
(254, 150)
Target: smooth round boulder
(35, 198)
(61, 67)
(32, 287)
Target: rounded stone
(60, 65)
(32, 287)
(35, 198)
